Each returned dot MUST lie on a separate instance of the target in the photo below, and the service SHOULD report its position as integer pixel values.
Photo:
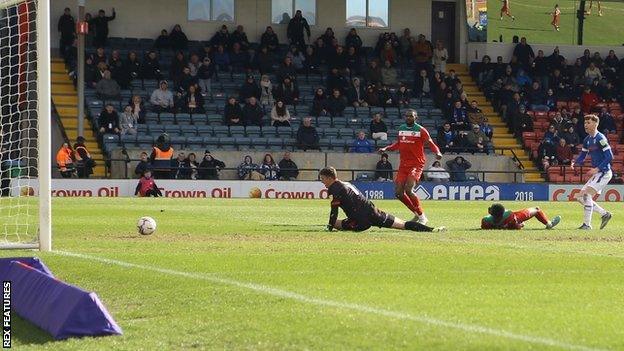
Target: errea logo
(422, 193)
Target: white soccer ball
(146, 225)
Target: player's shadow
(26, 333)
(528, 29)
(302, 228)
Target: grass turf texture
(533, 19)
(564, 284)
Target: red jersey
(146, 185)
(411, 145)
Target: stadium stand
(548, 92)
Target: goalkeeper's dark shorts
(361, 223)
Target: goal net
(24, 125)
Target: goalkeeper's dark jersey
(350, 200)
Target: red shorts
(522, 215)
(406, 173)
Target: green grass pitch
(533, 19)
(263, 275)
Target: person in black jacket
(307, 136)
(134, 69)
(67, 27)
(287, 92)
(143, 165)
(239, 36)
(232, 113)
(163, 41)
(288, 168)
(151, 67)
(383, 170)
(269, 39)
(209, 167)
(295, 30)
(178, 39)
(221, 38)
(248, 89)
(109, 120)
(335, 104)
(100, 24)
(252, 113)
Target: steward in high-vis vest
(65, 161)
(84, 162)
(161, 157)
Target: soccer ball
(146, 225)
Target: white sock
(587, 209)
(599, 209)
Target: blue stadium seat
(325, 143)
(128, 140)
(203, 130)
(362, 112)
(183, 118)
(237, 131)
(275, 143)
(253, 131)
(142, 129)
(323, 122)
(346, 133)
(341, 122)
(243, 143)
(259, 143)
(357, 123)
(284, 132)
(156, 129)
(195, 141)
(227, 143)
(269, 132)
(166, 118)
(290, 143)
(179, 142)
(145, 139)
(188, 130)
(331, 133)
(214, 119)
(211, 142)
(221, 131)
(172, 129)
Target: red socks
(541, 216)
(416, 203)
(412, 202)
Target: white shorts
(598, 181)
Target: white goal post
(25, 121)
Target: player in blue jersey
(597, 145)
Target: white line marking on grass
(267, 290)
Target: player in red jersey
(411, 145)
(505, 11)
(556, 14)
(500, 218)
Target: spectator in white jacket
(437, 173)
(162, 98)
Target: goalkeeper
(500, 218)
(361, 213)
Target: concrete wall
(317, 160)
(145, 19)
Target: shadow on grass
(299, 228)
(23, 332)
(528, 29)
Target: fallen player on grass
(500, 218)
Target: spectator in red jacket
(564, 152)
(147, 186)
(589, 99)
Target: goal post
(25, 121)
